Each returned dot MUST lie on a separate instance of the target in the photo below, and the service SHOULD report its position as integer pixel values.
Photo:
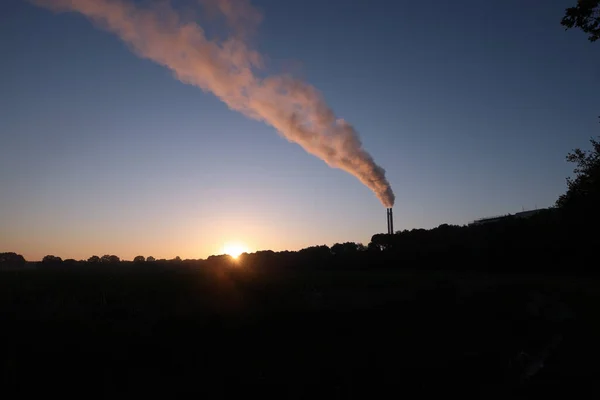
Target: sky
(470, 107)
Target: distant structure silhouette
(496, 218)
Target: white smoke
(227, 68)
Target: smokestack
(390, 221)
(387, 216)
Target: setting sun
(234, 249)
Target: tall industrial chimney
(390, 221)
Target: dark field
(135, 332)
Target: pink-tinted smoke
(227, 68)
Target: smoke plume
(229, 68)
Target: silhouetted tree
(51, 260)
(110, 259)
(11, 260)
(381, 242)
(347, 248)
(150, 259)
(585, 16)
(139, 259)
(93, 259)
(373, 247)
(315, 252)
(583, 193)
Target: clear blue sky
(470, 106)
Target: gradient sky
(470, 106)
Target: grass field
(123, 332)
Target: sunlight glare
(234, 249)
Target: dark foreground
(134, 333)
